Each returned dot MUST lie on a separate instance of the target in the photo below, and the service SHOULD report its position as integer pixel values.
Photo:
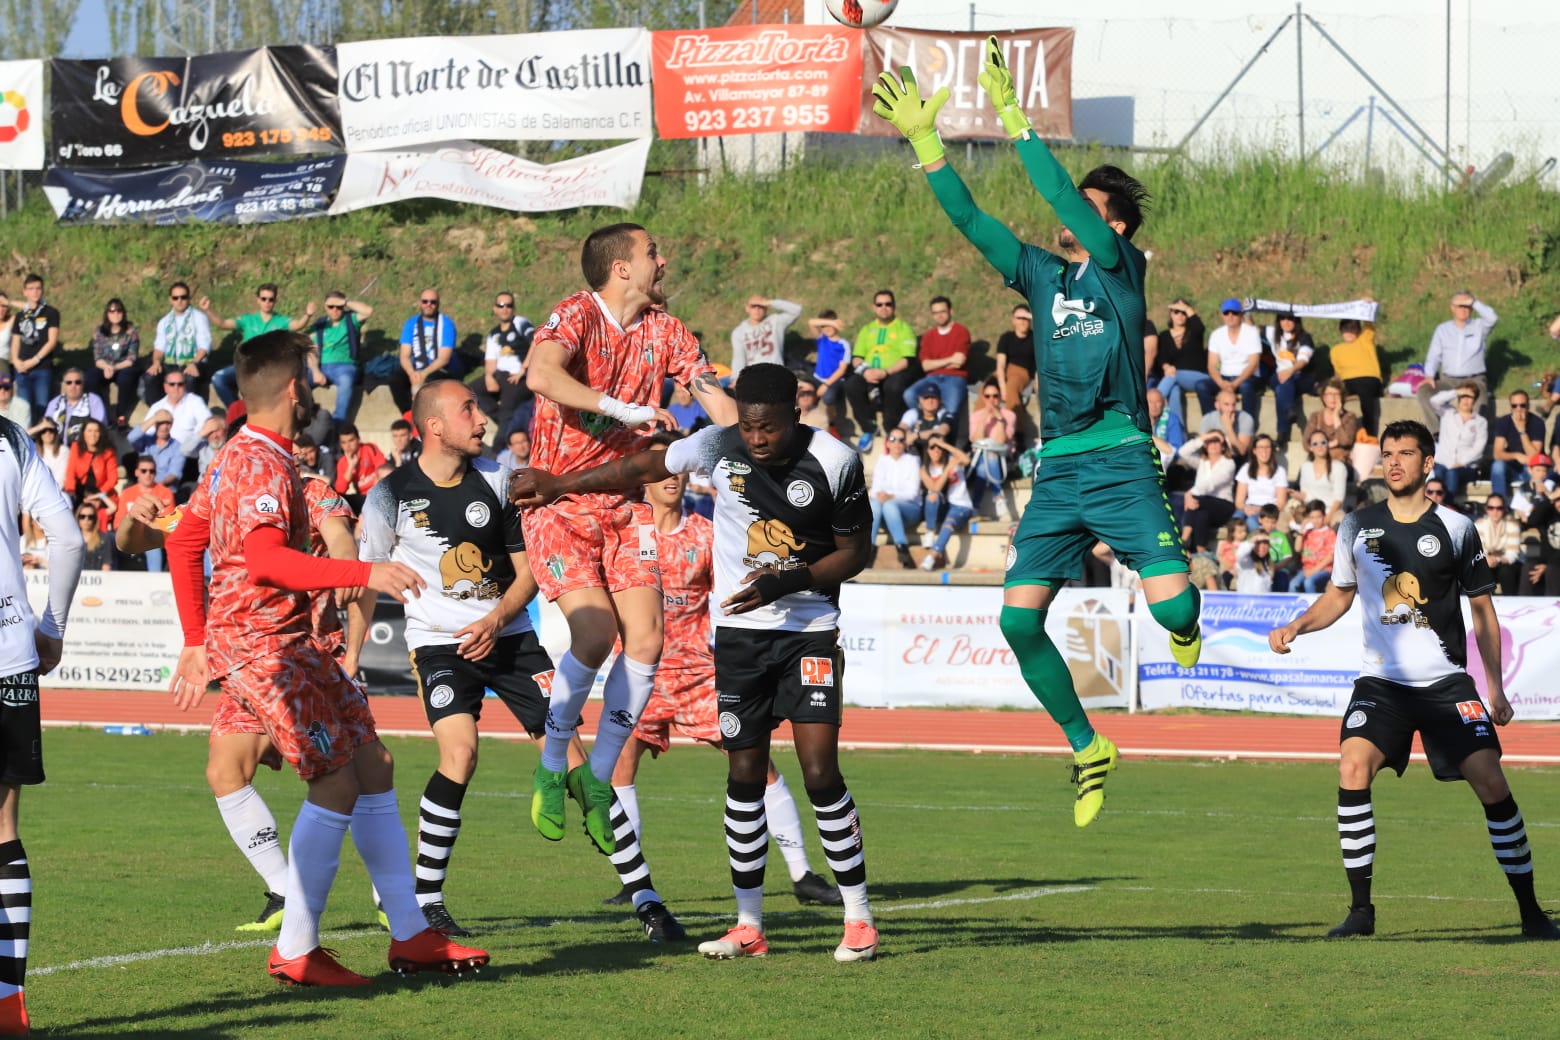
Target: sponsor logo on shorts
(544, 681)
(1012, 557)
(319, 737)
(1429, 545)
(1355, 720)
(440, 697)
(819, 699)
(1481, 730)
(19, 694)
(268, 505)
(1472, 711)
(817, 671)
(799, 493)
(478, 514)
(555, 566)
(730, 725)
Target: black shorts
(21, 730)
(517, 669)
(763, 677)
(1451, 720)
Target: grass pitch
(1195, 906)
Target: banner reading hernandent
(754, 79)
(583, 84)
(1041, 60)
(224, 193)
(142, 111)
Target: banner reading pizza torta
(1041, 60)
(240, 104)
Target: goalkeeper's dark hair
(1127, 196)
(766, 384)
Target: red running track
(1140, 735)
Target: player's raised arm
(1045, 173)
(899, 101)
(537, 487)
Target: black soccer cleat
(1361, 921)
(622, 897)
(659, 924)
(814, 889)
(270, 919)
(438, 917)
(1540, 926)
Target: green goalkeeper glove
(900, 103)
(996, 79)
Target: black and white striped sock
(1508, 837)
(747, 846)
(840, 830)
(628, 859)
(15, 916)
(438, 825)
(1357, 839)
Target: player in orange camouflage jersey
(684, 695)
(256, 642)
(597, 368)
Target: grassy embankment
(829, 234)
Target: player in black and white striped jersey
(1411, 561)
(791, 524)
(30, 646)
(447, 516)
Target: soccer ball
(860, 14)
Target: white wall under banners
(937, 646)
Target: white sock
(629, 796)
(750, 906)
(380, 838)
(785, 826)
(625, 695)
(856, 908)
(253, 828)
(312, 858)
(570, 690)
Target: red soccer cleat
(429, 950)
(13, 1015)
(318, 967)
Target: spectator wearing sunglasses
(183, 344)
(427, 350)
(1234, 354)
(1519, 435)
(144, 482)
(260, 320)
(73, 406)
(99, 555)
(1182, 361)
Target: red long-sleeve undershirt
(270, 562)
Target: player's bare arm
(1486, 633)
(478, 638)
(191, 676)
(1328, 608)
(537, 487)
(713, 398)
(548, 377)
(136, 533)
(852, 553)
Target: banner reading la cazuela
(581, 84)
(1041, 60)
(240, 104)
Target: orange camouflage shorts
(593, 542)
(684, 699)
(314, 715)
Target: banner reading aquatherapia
(1041, 60)
(582, 85)
(21, 115)
(751, 79)
(143, 111)
(462, 171)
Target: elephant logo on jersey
(770, 544)
(463, 570)
(1402, 590)
(1062, 308)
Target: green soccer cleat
(1186, 651)
(547, 793)
(270, 919)
(595, 798)
(1089, 770)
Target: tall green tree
(34, 29)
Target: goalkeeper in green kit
(1099, 477)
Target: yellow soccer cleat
(1091, 765)
(1186, 651)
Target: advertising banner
(581, 85)
(465, 172)
(220, 192)
(945, 647)
(1041, 61)
(754, 79)
(142, 111)
(21, 115)
(123, 633)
